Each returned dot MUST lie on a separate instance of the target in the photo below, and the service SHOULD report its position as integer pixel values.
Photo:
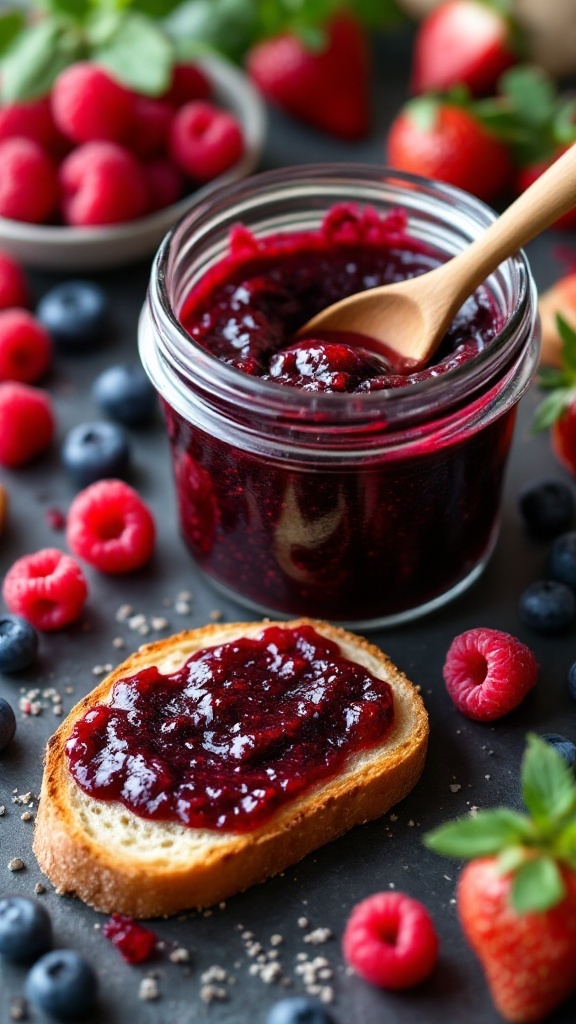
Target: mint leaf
(552, 408)
(139, 54)
(486, 833)
(537, 886)
(548, 784)
(225, 26)
(568, 336)
(34, 61)
(11, 24)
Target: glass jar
(365, 509)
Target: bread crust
(112, 879)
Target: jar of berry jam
(312, 478)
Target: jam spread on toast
(240, 729)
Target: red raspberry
(390, 941)
(88, 104)
(13, 287)
(102, 183)
(31, 120)
(150, 126)
(188, 83)
(487, 673)
(165, 182)
(26, 423)
(46, 588)
(110, 527)
(205, 141)
(28, 181)
(25, 346)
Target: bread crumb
(148, 990)
(276, 940)
(182, 608)
(455, 787)
(184, 595)
(303, 922)
(213, 993)
(213, 973)
(119, 643)
(16, 864)
(318, 936)
(180, 955)
(18, 1009)
(124, 612)
(26, 816)
(159, 622)
(2, 810)
(39, 889)
(216, 615)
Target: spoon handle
(551, 195)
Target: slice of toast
(115, 860)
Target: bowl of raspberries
(93, 174)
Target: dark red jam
(247, 309)
(134, 942)
(320, 530)
(235, 733)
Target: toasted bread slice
(115, 860)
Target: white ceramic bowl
(72, 249)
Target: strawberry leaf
(537, 886)
(548, 784)
(423, 113)
(487, 832)
(531, 93)
(550, 378)
(551, 409)
(568, 336)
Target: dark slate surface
(484, 760)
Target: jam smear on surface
(239, 730)
(134, 942)
(247, 309)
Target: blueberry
(562, 745)
(298, 1010)
(18, 643)
(7, 724)
(548, 607)
(547, 508)
(63, 984)
(25, 929)
(126, 394)
(562, 559)
(95, 451)
(75, 315)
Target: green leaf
(139, 54)
(487, 832)
(11, 24)
(226, 26)
(549, 378)
(77, 10)
(34, 61)
(423, 113)
(548, 784)
(531, 91)
(565, 844)
(155, 8)
(537, 886)
(551, 409)
(568, 336)
(564, 123)
(102, 26)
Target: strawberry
(469, 42)
(516, 900)
(328, 89)
(441, 139)
(528, 175)
(558, 410)
(559, 299)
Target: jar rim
(203, 367)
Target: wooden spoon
(407, 321)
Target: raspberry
(102, 183)
(25, 346)
(487, 673)
(390, 941)
(13, 287)
(46, 588)
(31, 120)
(205, 141)
(151, 123)
(165, 183)
(88, 104)
(110, 527)
(188, 83)
(28, 181)
(26, 423)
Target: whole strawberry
(516, 900)
(558, 410)
(443, 140)
(328, 88)
(560, 298)
(463, 42)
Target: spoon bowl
(407, 321)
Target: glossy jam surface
(134, 942)
(248, 308)
(237, 731)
